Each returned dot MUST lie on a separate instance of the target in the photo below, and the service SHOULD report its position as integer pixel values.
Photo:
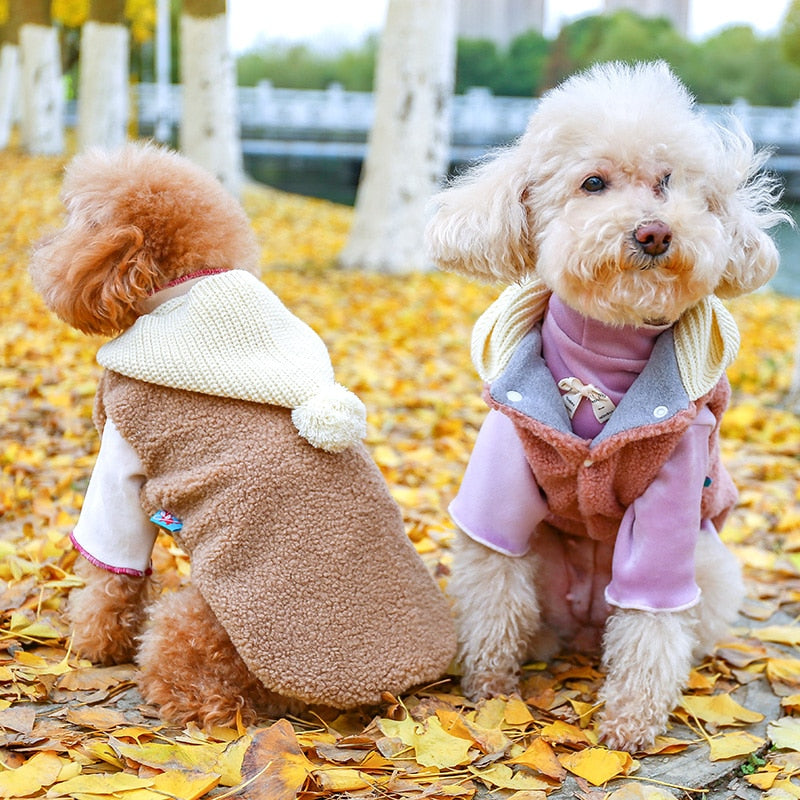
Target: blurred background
(740, 57)
(301, 107)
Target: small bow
(602, 406)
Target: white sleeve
(113, 532)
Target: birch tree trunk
(407, 150)
(103, 104)
(209, 133)
(9, 77)
(41, 85)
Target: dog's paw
(631, 733)
(478, 685)
(632, 726)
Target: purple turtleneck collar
(609, 357)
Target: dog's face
(621, 198)
(136, 219)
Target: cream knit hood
(230, 336)
(706, 336)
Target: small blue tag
(166, 520)
(707, 482)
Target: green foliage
(301, 67)
(790, 34)
(525, 66)
(478, 63)
(735, 63)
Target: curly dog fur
(611, 157)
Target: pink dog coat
(627, 496)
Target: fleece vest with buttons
(590, 483)
(616, 513)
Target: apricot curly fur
(191, 671)
(108, 613)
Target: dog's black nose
(653, 237)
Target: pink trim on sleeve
(135, 573)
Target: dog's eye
(593, 183)
(663, 183)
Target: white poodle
(591, 505)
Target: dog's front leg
(497, 616)
(647, 656)
(108, 613)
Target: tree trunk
(209, 132)
(42, 89)
(408, 144)
(9, 76)
(103, 107)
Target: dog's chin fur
(528, 210)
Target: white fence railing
(479, 118)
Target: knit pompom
(333, 419)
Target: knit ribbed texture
(503, 325)
(706, 336)
(230, 336)
(706, 342)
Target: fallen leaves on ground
(71, 729)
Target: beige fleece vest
(301, 554)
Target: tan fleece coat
(300, 553)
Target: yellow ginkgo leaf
(784, 733)
(437, 748)
(517, 714)
(597, 764)
(560, 732)
(433, 746)
(541, 758)
(784, 670)
(763, 779)
(342, 779)
(185, 785)
(503, 777)
(734, 745)
(40, 771)
(780, 634)
(102, 784)
(720, 709)
(274, 766)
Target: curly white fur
(526, 208)
(606, 154)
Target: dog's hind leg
(497, 616)
(647, 656)
(719, 577)
(190, 670)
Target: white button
(659, 412)
(513, 396)
(588, 462)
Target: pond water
(787, 281)
(337, 180)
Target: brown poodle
(221, 423)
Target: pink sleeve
(499, 503)
(653, 566)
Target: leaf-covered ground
(68, 729)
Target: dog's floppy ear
(95, 285)
(754, 260)
(747, 209)
(480, 225)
